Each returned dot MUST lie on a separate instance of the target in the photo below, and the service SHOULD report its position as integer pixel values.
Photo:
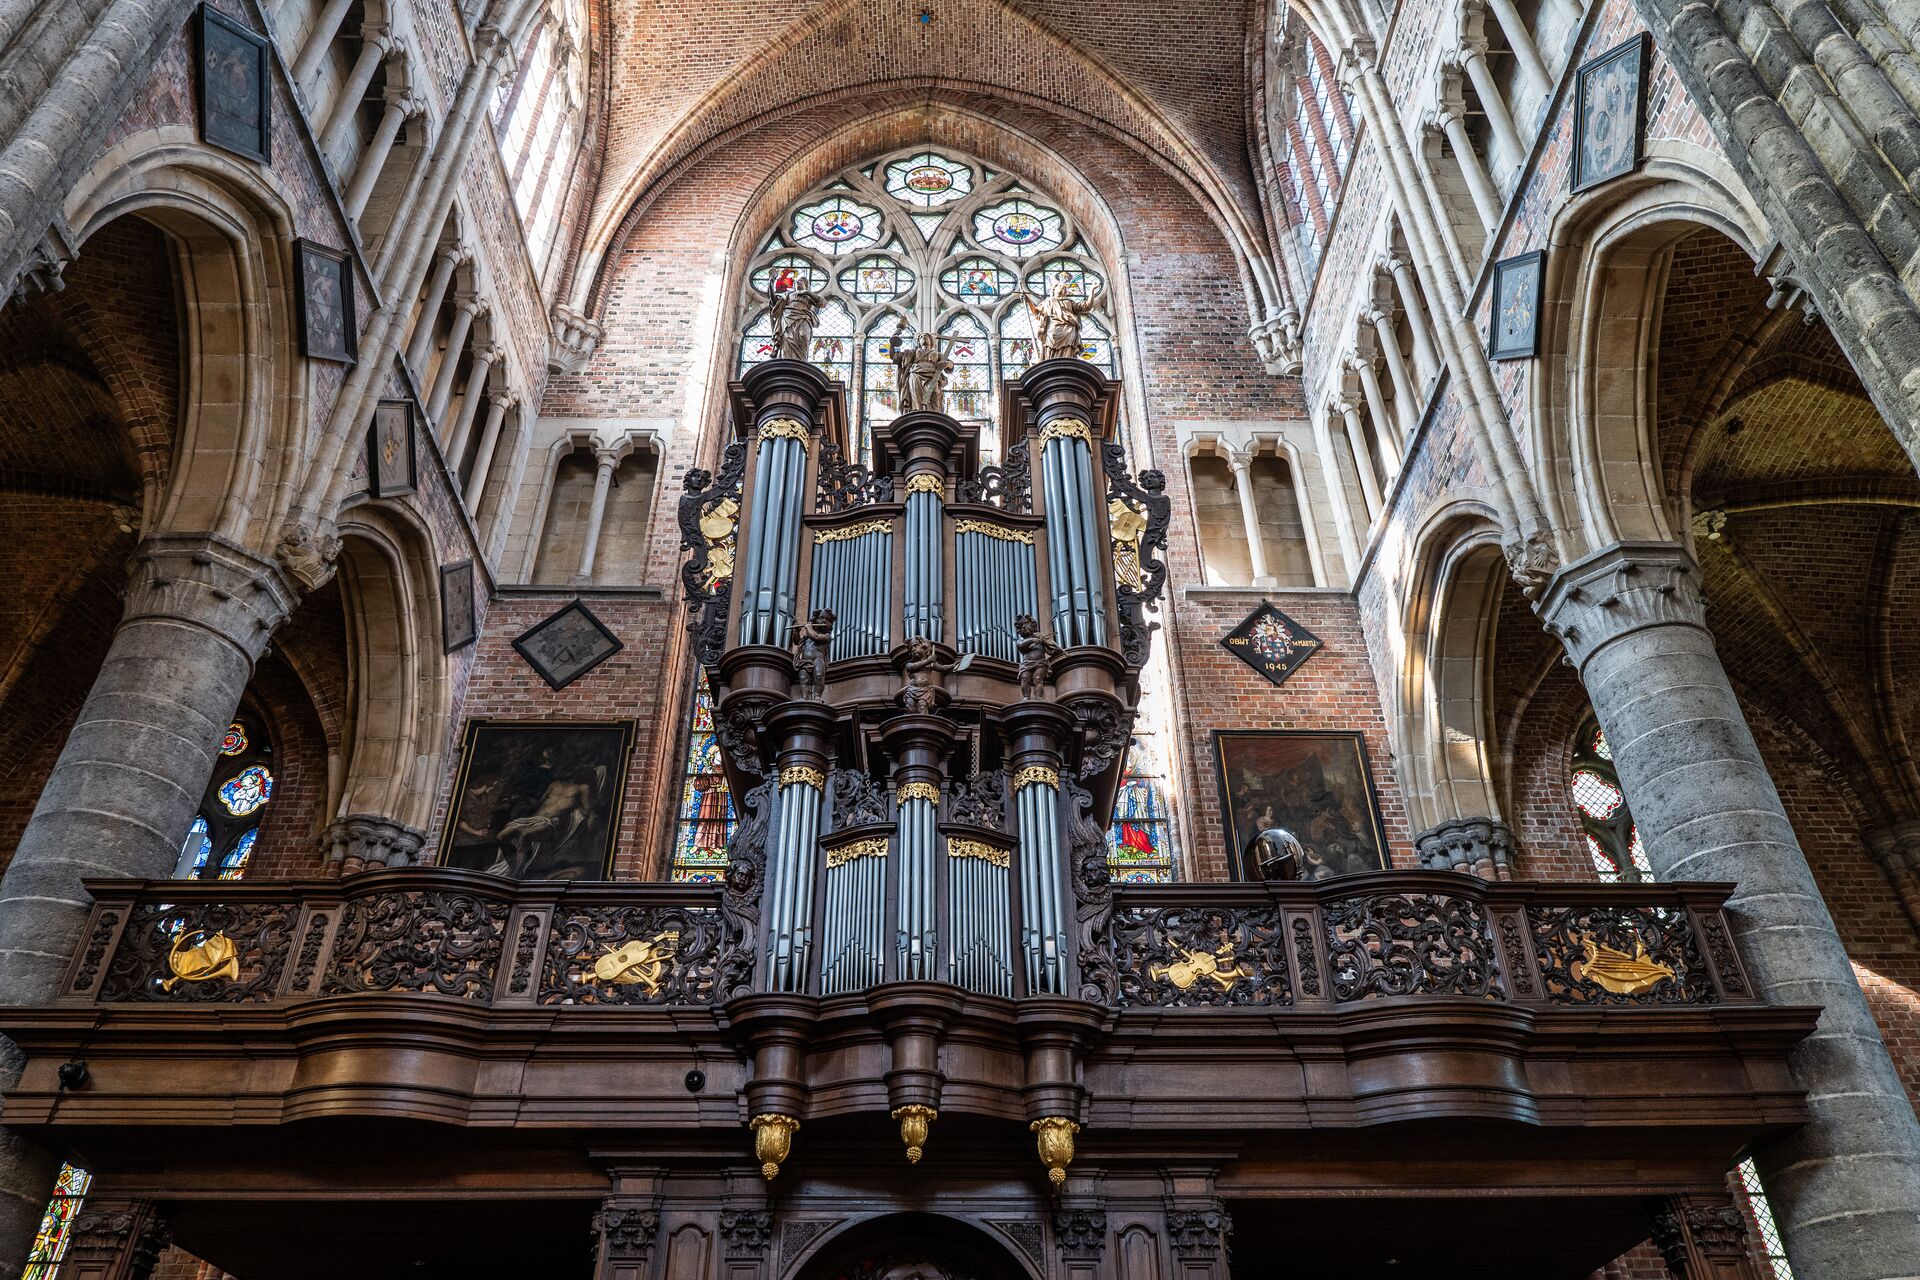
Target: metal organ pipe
(925, 518)
(773, 537)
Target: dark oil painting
(1315, 785)
(234, 100)
(539, 800)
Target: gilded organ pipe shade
(915, 945)
(853, 576)
(994, 566)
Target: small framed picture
(457, 628)
(1316, 786)
(1610, 112)
(1271, 643)
(392, 468)
(567, 645)
(234, 90)
(1514, 328)
(325, 294)
(538, 800)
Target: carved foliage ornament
(708, 515)
(871, 847)
(201, 952)
(917, 791)
(961, 848)
(1037, 775)
(785, 429)
(1141, 590)
(1187, 956)
(1394, 944)
(991, 530)
(1008, 486)
(802, 775)
(626, 1228)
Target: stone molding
(368, 840)
(1618, 590)
(206, 581)
(1482, 847)
(573, 340)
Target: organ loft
(947, 641)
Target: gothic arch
(244, 400)
(982, 1254)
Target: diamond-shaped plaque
(1271, 643)
(567, 645)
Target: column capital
(207, 581)
(1358, 361)
(369, 840)
(1481, 847)
(1343, 407)
(1373, 315)
(404, 100)
(502, 398)
(1393, 262)
(377, 36)
(491, 354)
(1703, 1238)
(456, 252)
(1619, 590)
(1356, 59)
(1241, 460)
(471, 303)
(609, 455)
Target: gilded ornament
(1056, 1145)
(1067, 429)
(642, 962)
(772, 1142)
(927, 482)
(214, 956)
(959, 848)
(803, 775)
(1620, 973)
(1196, 966)
(917, 791)
(1037, 775)
(785, 429)
(1127, 522)
(849, 531)
(1001, 532)
(914, 1119)
(871, 847)
(717, 526)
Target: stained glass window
(1760, 1220)
(917, 241)
(1140, 843)
(220, 842)
(706, 806)
(56, 1224)
(246, 790)
(235, 741)
(194, 851)
(1612, 840)
(234, 865)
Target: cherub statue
(921, 691)
(1037, 653)
(923, 368)
(810, 641)
(1056, 320)
(793, 315)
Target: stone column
(1473, 846)
(198, 616)
(115, 1240)
(1362, 457)
(1442, 237)
(375, 44)
(1411, 302)
(1704, 1237)
(1486, 200)
(1520, 39)
(1384, 423)
(444, 264)
(455, 440)
(597, 513)
(466, 307)
(1304, 501)
(1896, 850)
(1241, 461)
(1845, 1188)
(1397, 373)
(499, 400)
(400, 109)
(319, 41)
(1471, 55)
(1337, 495)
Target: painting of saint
(326, 302)
(1517, 287)
(234, 100)
(1316, 786)
(1610, 113)
(539, 801)
(390, 456)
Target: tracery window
(1613, 841)
(219, 844)
(1311, 130)
(706, 818)
(538, 117)
(925, 240)
(1765, 1233)
(56, 1224)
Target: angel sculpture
(810, 641)
(922, 693)
(793, 315)
(923, 368)
(1037, 653)
(1056, 320)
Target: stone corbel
(572, 340)
(1788, 293)
(47, 262)
(1277, 341)
(363, 841)
(1481, 847)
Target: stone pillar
(1704, 1237)
(1308, 525)
(1481, 847)
(1384, 424)
(1845, 1188)
(499, 400)
(1520, 40)
(1896, 850)
(375, 44)
(466, 307)
(319, 41)
(1337, 495)
(115, 1240)
(455, 441)
(1411, 302)
(1486, 200)
(199, 613)
(444, 263)
(400, 109)
(597, 513)
(1472, 56)
(1241, 461)
(1362, 457)
(361, 841)
(1404, 396)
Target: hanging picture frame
(392, 463)
(458, 629)
(324, 292)
(1513, 328)
(234, 87)
(539, 800)
(1316, 785)
(1610, 113)
(567, 644)
(1271, 643)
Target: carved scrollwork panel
(1095, 951)
(260, 935)
(1189, 956)
(633, 955)
(1395, 944)
(1145, 578)
(845, 484)
(1008, 486)
(1619, 955)
(415, 940)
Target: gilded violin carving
(642, 961)
(1202, 966)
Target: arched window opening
(56, 1224)
(1310, 124)
(623, 530)
(563, 534)
(1613, 841)
(931, 241)
(538, 117)
(219, 844)
(1223, 528)
(704, 829)
(1283, 527)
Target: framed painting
(567, 645)
(234, 88)
(457, 627)
(1271, 643)
(325, 294)
(1514, 327)
(1315, 785)
(392, 468)
(1610, 112)
(538, 800)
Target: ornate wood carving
(1194, 956)
(688, 945)
(746, 1231)
(707, 576)
(1570, 941)
(1080, 1234)
(1095, 953)
(418, 940)
(845, 484)
(1394, 944)
(1198, 1234)
(1008, 486)
(1147, 495)
(261, 934)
